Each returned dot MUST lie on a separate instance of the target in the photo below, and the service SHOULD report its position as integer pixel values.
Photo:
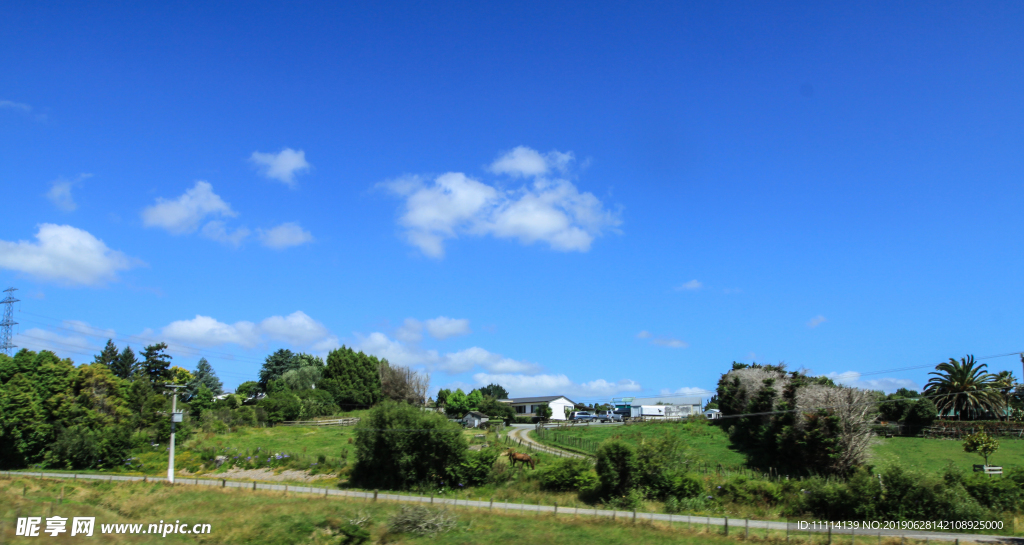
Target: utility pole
(5, 325)
(175, 418)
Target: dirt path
(521, 432)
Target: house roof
(540, 399)
(476, 414)
(671, 400)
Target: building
(527, 406)
(713, 414)
(473, 419)
(675, 406)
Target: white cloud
(662, 340)
(206, 331)
(885, 384)
(537, 385)
(551, 211)
(816, 321)
(184, 214)
(443, 327)
(297, 329)
(411, 331)
(19, 106)
(690, 286)
(60, 192)
(65, 255)
(669, 342)
(284, 236)
(81, 341)
(686, 391)
(281, 166)
(409, 354)
(523, 161)
(217, 231)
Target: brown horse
(514, 457)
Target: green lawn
(934, 454)
(704, 443)
(329, 441)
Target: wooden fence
(337, 422)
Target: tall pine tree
(156, 366)
(126, 364)
(203, 376)
(109, 354)
(277, 364)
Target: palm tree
(964, 388)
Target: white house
(473, 419)
(527, 406)
(713, 414)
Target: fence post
(726, 526)
(223, 483)
(254, 485)
(374, 494)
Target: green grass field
(704, 443)
(933, 455)
(242, 516)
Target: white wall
(557, 408)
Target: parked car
(582, 416)
(609, 416)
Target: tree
(544, 412)
(474, 399)
(109, 354)
(277, 364)
(180, 375)
(303, 378)
(981, 443)
(126, 364)
(494, 390)
(497, 410)
(964, 388)
(442, 397)
(248, 389)
(400, 383)
(156, 365)
(353, 378)
(617, 468)
(398, 446)
(202, 402)
(203, 376)
(309, 360)
(456, 404)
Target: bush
(568, 474)
(617, 468)
(398, 446)
(476, 469)
(422, 521)
(686, 486)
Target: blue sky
(589, 199)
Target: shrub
(399, 446)
(422, 521)
(567, 474)
(616, 468)
(686, 486)
(476, 469)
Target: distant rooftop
(540, 399)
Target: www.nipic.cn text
(86, 526)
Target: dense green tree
(353, 378)
(964, 389)
(544, 412)
(498, 410)
(277, 364)
(399, 446)
(247, 389)
(156, 365)
(201, 402)
(496, 391)
(20, 363)
(204, 375)
(457, 404)
(303, 378)
(617, 468)
(109, 354)
(981, 443)
(474, 399)
(442, 397)
(126, 364)
(309, 360)
(22, 431)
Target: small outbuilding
(473, 419)
(713, 414)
